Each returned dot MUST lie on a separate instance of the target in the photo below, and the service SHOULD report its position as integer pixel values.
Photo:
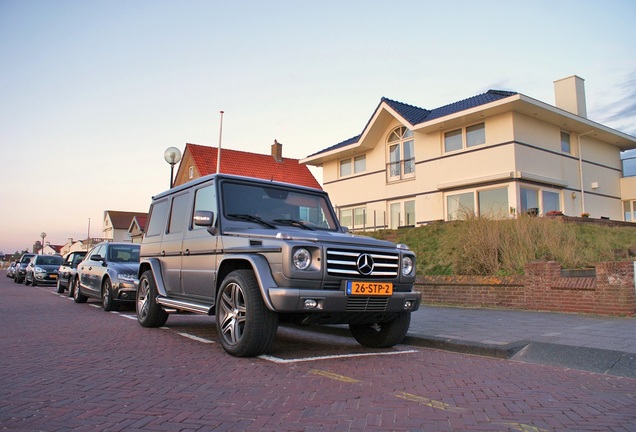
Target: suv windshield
(270, 206)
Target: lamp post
(172, 155)
(43, 235)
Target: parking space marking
(196, 338)
(329, 357)
(333, 376)
(428, 402)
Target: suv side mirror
(96, 258)
(203, 218)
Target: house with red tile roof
(117, 224)
(199, 161)
(137, 228)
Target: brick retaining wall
(543, 288)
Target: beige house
(117, 224)
(496, 154)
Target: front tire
(246, 327)
(149, 312)
(26, 280)
(383, 334)
(78, 297)
(108, 302)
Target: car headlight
(407, 265)
(39, 269)
(301, 259)
(128, 277)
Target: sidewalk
(585, 342)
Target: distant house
(199, 161)
(137, 228)
(497, 154)
(117, 225)
(50, 249)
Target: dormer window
(401, 154)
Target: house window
(539, 201)
(191, 172)
(473, 135)
(629, 211)
(490, 203)
(402, 214)
(493, 203)
(460, 206)
(401, 154)
(353, 217)
(565, 142)
(358, 163)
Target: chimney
(277, 151)
(569, 94)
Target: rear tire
(149, 312)
(246, 327)
(383, 334)
(78, 297)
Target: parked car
(20, 268)
(67, 271)
(108, 272)
(42, 269)
(11, 270)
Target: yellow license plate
(356, 288)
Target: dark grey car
(42, 269)
(108, 272)
(67, 271)
(20, 268)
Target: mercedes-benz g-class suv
(255, 252)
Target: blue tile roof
(416, 115)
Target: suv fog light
(408, 305)
(310, 304)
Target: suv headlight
(407, 265)
(301, 259)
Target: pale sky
(93, 92)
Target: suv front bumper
(290, 300)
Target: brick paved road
(74, 367)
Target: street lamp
(172, 155)
(43, 235)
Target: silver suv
(255, 252)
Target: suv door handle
(186, 252)
(163, 253)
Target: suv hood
(310, 236)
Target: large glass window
(550, 201)
(529, 201)
(402, 214)
(401, 154)
(354, 218)
(493, 203)
(157, 218)
(178, 213)
(629, 209)
(460, 206)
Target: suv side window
(204, 199)
(178, 213)
(157, 218)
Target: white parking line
(196, 338)
(307, 359)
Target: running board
(187, 306)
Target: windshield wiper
(252, 218)
(294, 222)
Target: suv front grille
(367, 304)
(344, 263)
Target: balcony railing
(400, 170)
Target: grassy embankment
(485, 247)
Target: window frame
(399, 168)
(563, 143)
(352, 163)
(463, 133)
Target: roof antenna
(218, 151)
